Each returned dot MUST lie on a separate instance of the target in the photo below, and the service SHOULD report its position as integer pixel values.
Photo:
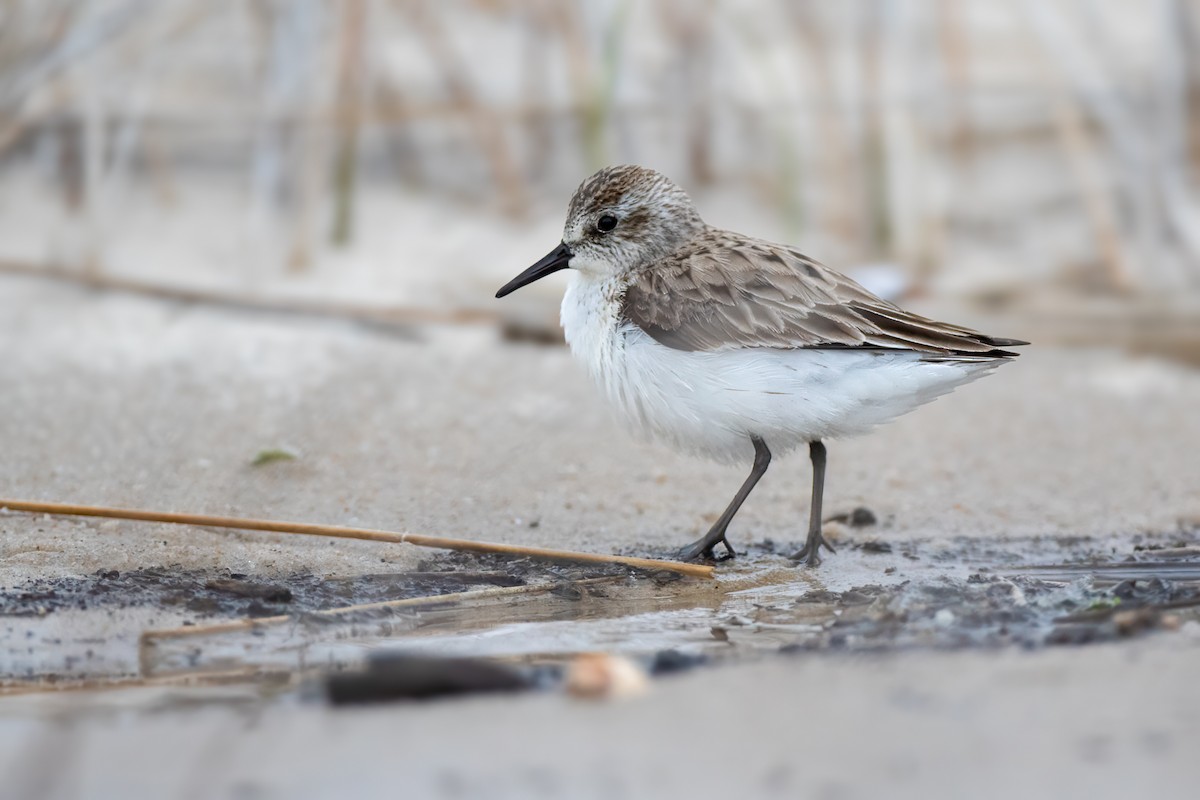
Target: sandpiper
(735, 348)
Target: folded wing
(728, 292)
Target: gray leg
(705, 544)
(814, 542)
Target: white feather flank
(710, 403)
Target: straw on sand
(337, 531)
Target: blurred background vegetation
(1038, 155)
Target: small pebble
(862, 517)
(599, 676)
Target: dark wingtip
(998, 342)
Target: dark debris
(224, 593)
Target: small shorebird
(736, 348)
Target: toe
(695, 552)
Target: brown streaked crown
(655, 217)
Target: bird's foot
(706, 547)
(810, 553)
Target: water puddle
(157, 623)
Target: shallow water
(870, 596)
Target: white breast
(589, 316)
(710, 403)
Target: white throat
(590, 317)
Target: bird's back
(724, 291)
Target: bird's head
(620, 220)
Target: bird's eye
(606, 223)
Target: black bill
(556, 259)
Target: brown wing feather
(725, 291)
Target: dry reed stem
(149, 637)
(391, 316)
(483, 123)
(337, 531)
(237, 675)
(1071, 116)
(251, 623)
(351, 77)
